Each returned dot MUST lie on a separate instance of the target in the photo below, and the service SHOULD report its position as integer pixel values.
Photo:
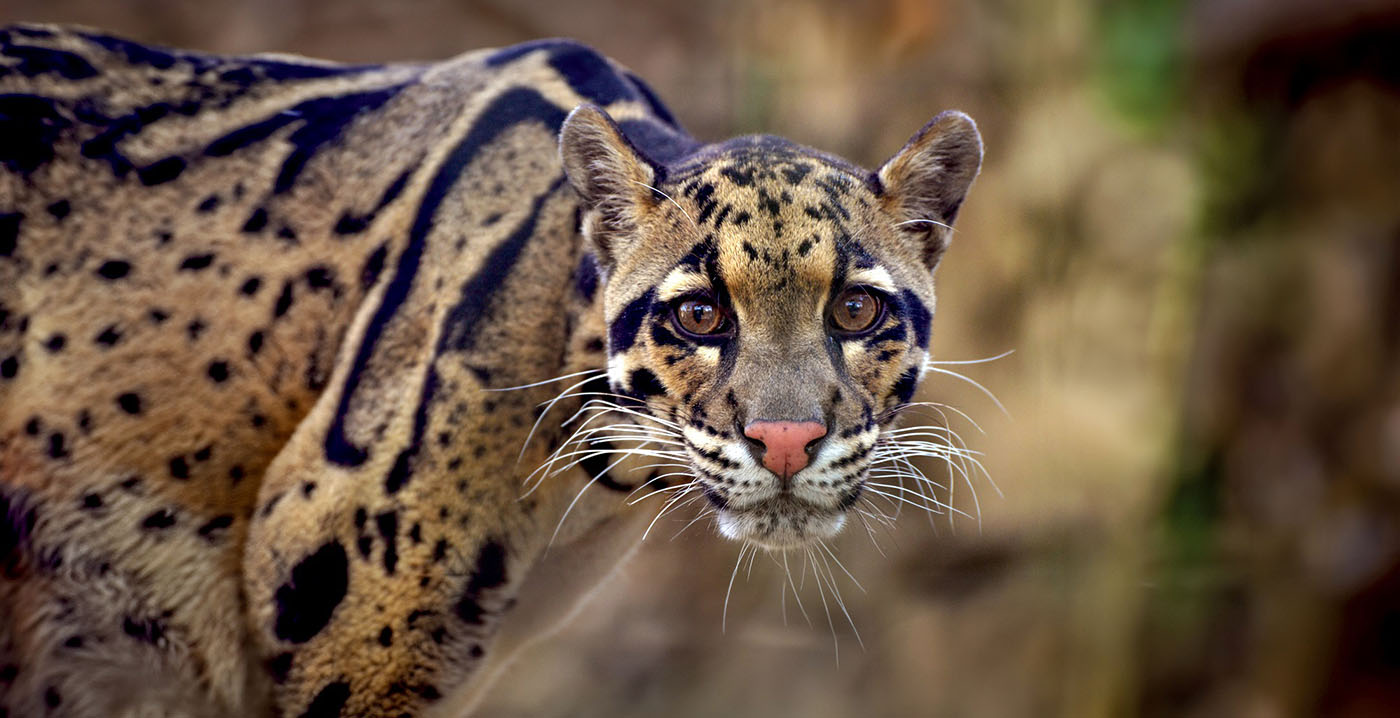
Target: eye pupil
(857, 311)
(699, 316)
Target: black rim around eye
(857, 311)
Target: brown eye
(856, 311)
(699, 316)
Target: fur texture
(261, 324)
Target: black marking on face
(644, 383)
(622, 332)
(908, 382)
(329, 701)
(488, 573)
(60, 209)
(508, 110)
(896, 333)
(918, 314)
(316, 586)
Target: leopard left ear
(925, 183)
(611, 178)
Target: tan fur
(259, 323)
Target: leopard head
(769, 307)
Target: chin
(781, 524)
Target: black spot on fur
(489, 573)
(55, 343)
(284, 300)
(160, 519)
(329, 701)
(320, 277)
(255, 342)
(147, 631)
(388, 523)
(130, 402)
(373, 266)
(114, 269)
(179, 467)
(92, 501)
(251, 286)
(108, 337)
(279, 666)
(196, 262)
(35, 61)
(9, 232)
(59, 209)
(256, 221)
(51, 697)
(9, 367)
(29, 127)
(214, 525)
(161, 171)
(306, 601)
(386, 636)
(209, 204)
(218, 371)
(57, 449)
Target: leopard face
(769, 307)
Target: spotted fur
(258, 316)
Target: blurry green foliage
(1139, 59)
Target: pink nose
(785, 443)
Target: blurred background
(1187, 228)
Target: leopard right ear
(612, 179)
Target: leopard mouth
(781, 522)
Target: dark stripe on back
(509, 109)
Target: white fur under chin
(747, 526)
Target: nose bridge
(785, 385)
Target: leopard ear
(924, 184)
(612, 179)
